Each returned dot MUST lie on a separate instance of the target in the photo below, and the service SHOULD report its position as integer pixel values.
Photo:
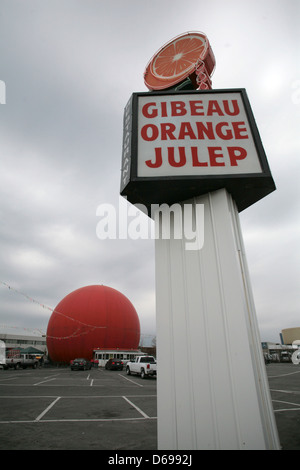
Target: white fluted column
(213, 391)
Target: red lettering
(186, 131)
(164, 112)
(167, 130)
(154, 132)
(236, 109)
(206, 130)
(195, 159)
(213, 156)
(214, 107)
(171, 157)
(158, 159)
(146, 113)
(237, 130)
(236, 153)
(178, 108)
(195, 107)
(228, 134)
(177, 157)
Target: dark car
(81, 364)
(114, 364)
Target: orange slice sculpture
(186, 56)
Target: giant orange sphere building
(90, 318)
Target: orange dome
(89, 318)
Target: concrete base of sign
(213, 391)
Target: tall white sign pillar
(212, 386)
(180, 148)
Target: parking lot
(63, 409)
(284, 382)
(56, 408)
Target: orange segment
(177, 60)
(178, 57)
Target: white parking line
(137, 408)
(286, 409)
(56, 399)
(88, 420)
(83, 420)
(286, 403)
(283, 375)
(129, 380)
(44, 381)
(295, 392)
(47, 409)
(11, 378)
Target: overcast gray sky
(69, 67)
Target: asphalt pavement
(60, 409)
(76, 410)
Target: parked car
(80, 364)
(145, 366)
(114, 364)
(21, 360)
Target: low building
(101, 356)
(289, 335)
(24, 342)
(275, 352)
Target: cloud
(69, 68)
